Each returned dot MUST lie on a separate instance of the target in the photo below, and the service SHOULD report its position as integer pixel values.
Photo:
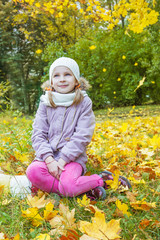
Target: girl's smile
(63, 80)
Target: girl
(62, 129)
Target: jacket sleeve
(82, 135)
(40, 141)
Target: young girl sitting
(62, 129)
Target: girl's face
(63, 80)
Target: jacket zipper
(61, 129)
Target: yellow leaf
(93, 208)
(99, 229)
(92, 47)
(1, 189)
(114, 184)
(123, 57)
(38, 51)
(143, 205)
(49, 213)
(104, 69)
(136, 181)
(17, 237)
(36, 201)
(33, 215)
(140, 83)
(84, 202)
(123, 208)
(6, 202)
(42, 237)
(124, 127)
(86, 237)
(64, 221)
(37, 5)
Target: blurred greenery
(114, 61)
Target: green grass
(18, 128)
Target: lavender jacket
(63, 132)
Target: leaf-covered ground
(126, 142)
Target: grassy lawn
(127, 142)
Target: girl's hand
(61, 165)
(54, 167)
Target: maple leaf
(17, 237)
(37, 202)
(123, 208)
(84, 202)
(137, 181)
(131, 196)
(70, 235)
(114, 184)
(144, 223)
(1, 189)
(33, 215)
(42, 237)
(86, 237)
(93, 209)
(61, 223)
(143, 205)
(99, 229)
(49, 213)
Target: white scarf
(60, 99)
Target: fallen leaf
(111, 200)
(84, 202)
(141, 181)
(33, 215)
(99, 229)
(70, 235)
(144, 223)
(42, 237)
(6, 202)
(61, 223)
(131, 196)
(93, 209)
(49, 213)
(86, 237)
(114, 184)
(143, 205)
(17, 237)
(1, 189)
(37, 202)
(123, 208)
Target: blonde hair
(84, 85)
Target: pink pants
(71, 183)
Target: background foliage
(116, 44)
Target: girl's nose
(62, 79)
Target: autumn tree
(37, 26)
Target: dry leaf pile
(128, 147)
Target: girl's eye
(67, 74)
(56, 75)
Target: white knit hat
(66, 62)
